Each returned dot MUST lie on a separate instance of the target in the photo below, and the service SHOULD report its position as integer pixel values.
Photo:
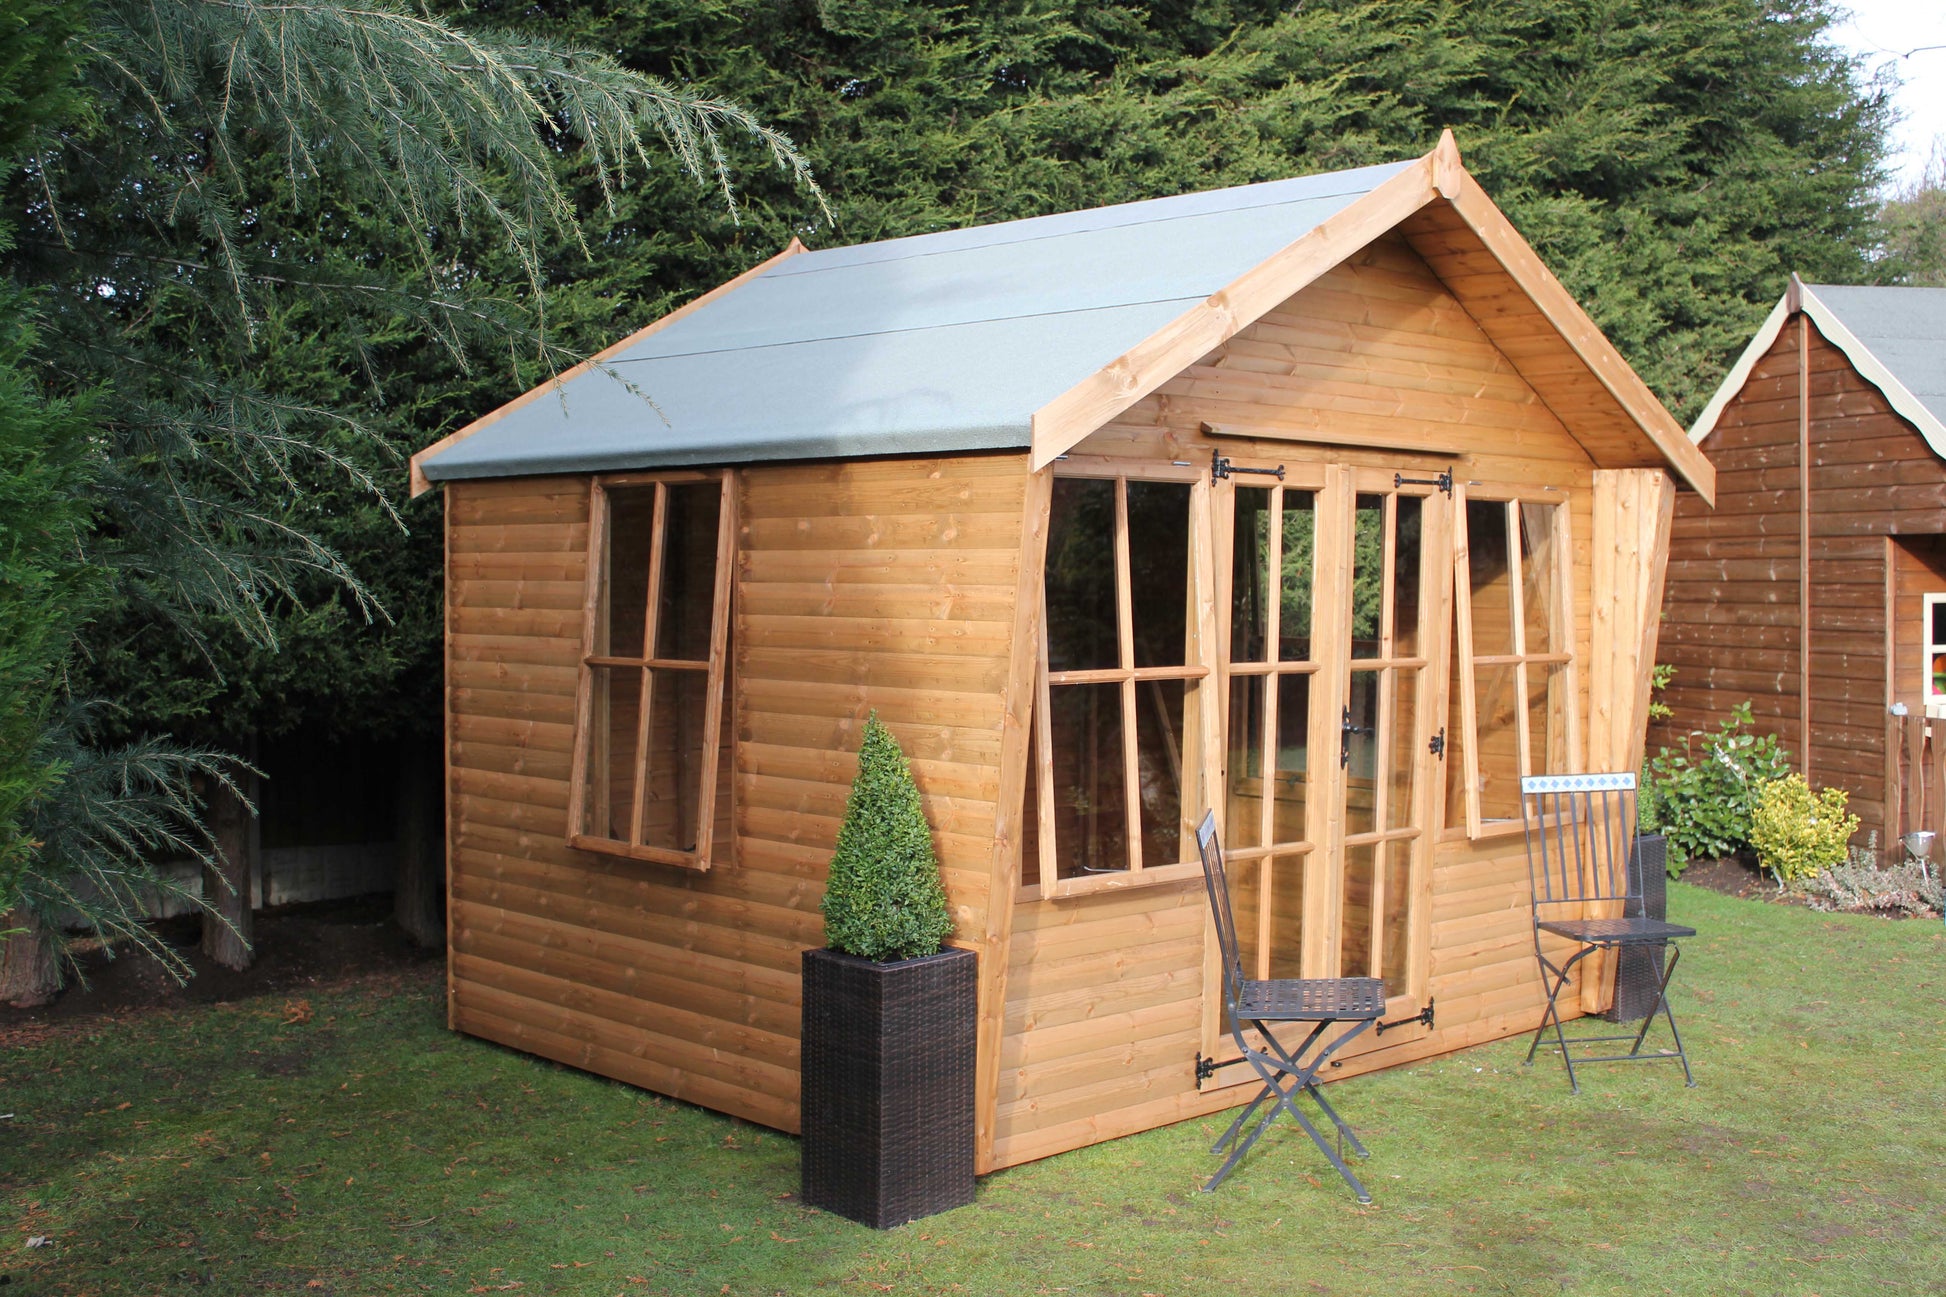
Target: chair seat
(1616, 932)
(1312, 999)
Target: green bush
(883, 900)
(1702, 801)
(1799, 834)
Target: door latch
(1437, 744)
(1344, 742)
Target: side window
(1117, 778)
(1514, 695)
(649, 770)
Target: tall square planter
(888, 1060)
(1638, 969)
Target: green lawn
(366, 1150)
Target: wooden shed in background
(1111, 516)
(1820, 575)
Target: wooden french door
(1335, 581)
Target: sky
(1892, 34)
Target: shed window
(1118, 777)
(649, 777)
(1935, 661)
(1514, 674)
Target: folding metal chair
(1257, 1003)
(1580, 835)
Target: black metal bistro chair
(1250, 1002)
(1580, 835)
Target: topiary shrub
(883, 900)
(1799, 834)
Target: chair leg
(1309, 1072)
(1553, 1013)
(1662, 1004)
(1274, 1068)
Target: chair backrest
(1580, 832)
(1219, 903)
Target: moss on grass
(364, 1149)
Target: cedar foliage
(883, 899)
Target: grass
(351, 1145)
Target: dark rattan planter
(1638, 969)
(888, 1085)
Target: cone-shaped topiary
(883, 900)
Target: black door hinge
(1423, 1017)
(1207, 1067)
(1220, 467)
(1437, 744)
(1444, 481)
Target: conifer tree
(883, 899)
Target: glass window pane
(1030, 815)
(1080, 600)
(1407, 529)
(1499, 743)
(1939, 624)
(1158, 571)
(1250, 575)
(1403, 760)
(1090, 797)
(673, 797)
(1547, 719)
(1393, 932)
(1286, 891)
(1355, 932)
(1292, 775)
(1361, 739)
(1300, 523)
(610, 796)
(1243, 824)
(1246, 904)
(1544, 618)
(688, 596)
(625, 572)
(1489, 579)
(1367, 575)
(1167, 836)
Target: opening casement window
(650, 779)
(1514, 689)
(1125, 692)
(1933, 668)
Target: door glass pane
(1243, 826)
(1409, 514)
(1361, 738)
(1403, 762)
(1367, 575)
(1158, 571)
(1547, 719)
(625, 601)
(1090, 807)
(611, 754)
(1292, 776)
(1398, 899)
(1300, 524)
(1030, 814)
(1250, 575)
(688, 596)
(1287, 916)
(1489, 580)
(1246, 903)
(1082, 631)
(1355, 932)
(1539, 590)
(1499, 753)
(1455, 758)
(1159, 730)
(674, 792)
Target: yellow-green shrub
(1799, 834)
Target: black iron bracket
(1444, 481)
(1208, 1067)
(1437, 744)
(1423, 1017)
(1220, 467)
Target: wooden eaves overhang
(1799, 296)
(1448, 219)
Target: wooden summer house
(1816, 589)
(1111, 516)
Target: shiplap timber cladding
(1736, 595)
(1406, 330)
(884, 585)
